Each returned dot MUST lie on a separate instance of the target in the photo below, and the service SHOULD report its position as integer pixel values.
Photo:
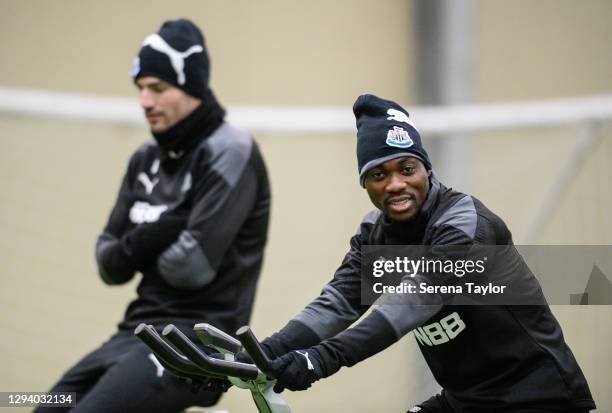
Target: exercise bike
(183, 358)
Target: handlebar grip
(206, 363)
(212, 336)
(253, 347)
(169, 357)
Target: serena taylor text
(424, 288)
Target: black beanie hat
(384, 132)
(176, 54)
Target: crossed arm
(184, 246)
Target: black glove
(298, 370)
(293, 336)
(144, 243)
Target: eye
(408, 170)
(376, 175)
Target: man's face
(164, 104)
(398, 187)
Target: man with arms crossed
(509, 358)
(191, 216)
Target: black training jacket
(490, 358)
(209, 273)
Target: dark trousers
(122, 376)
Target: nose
(146, 98)
(396, 183)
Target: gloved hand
(144, 243)
(298, 370)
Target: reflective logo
(142, 212)
(441, 331)
(305, 354)
(177, 59)
(148, 183)
(154, 167)
(399, 138)
(186, 183)
(399, 116)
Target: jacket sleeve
(397, 314)
(323, 325)
(225, 192)
(334, 310)
(114, 265)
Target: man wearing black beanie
(488, 358)
(191, 216)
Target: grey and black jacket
(502, 358)
(209, 273)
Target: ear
(429, 172)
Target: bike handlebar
(208, 364)
(169, 357)
(253, 347)
(212, 336)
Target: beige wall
(542, 49)
(59, 179)
(265, 52)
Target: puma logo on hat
(177, 59)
